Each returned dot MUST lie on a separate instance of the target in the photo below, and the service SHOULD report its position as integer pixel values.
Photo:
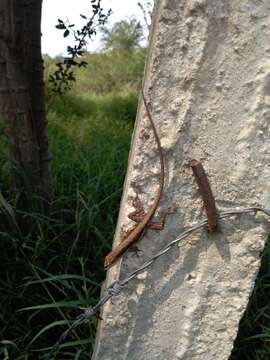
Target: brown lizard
(136, 233)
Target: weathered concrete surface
(208, 84)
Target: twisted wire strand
(116, 287)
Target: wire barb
(116, 287)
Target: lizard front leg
(138, 214)
(159, 225)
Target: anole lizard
(135, 234)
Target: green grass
(52, 265)
(253, 340)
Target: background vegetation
(52, 265)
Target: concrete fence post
(207, 83)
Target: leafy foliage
(63, 77)
(124, 36)
(110, 72)
(117, 68)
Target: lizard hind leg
(138, 213)
(159, 225)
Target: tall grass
(253, 340)
(53, 264)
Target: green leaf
(60, 26)
(6, 206)
(60, 278)
(66, 33)
(8, 343)
(69, 344)
(74, 304)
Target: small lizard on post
(136, 233)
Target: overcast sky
(53, 42)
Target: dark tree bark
(22, 95)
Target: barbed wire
(116, 287)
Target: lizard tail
(161, 157)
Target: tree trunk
(22, 95)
